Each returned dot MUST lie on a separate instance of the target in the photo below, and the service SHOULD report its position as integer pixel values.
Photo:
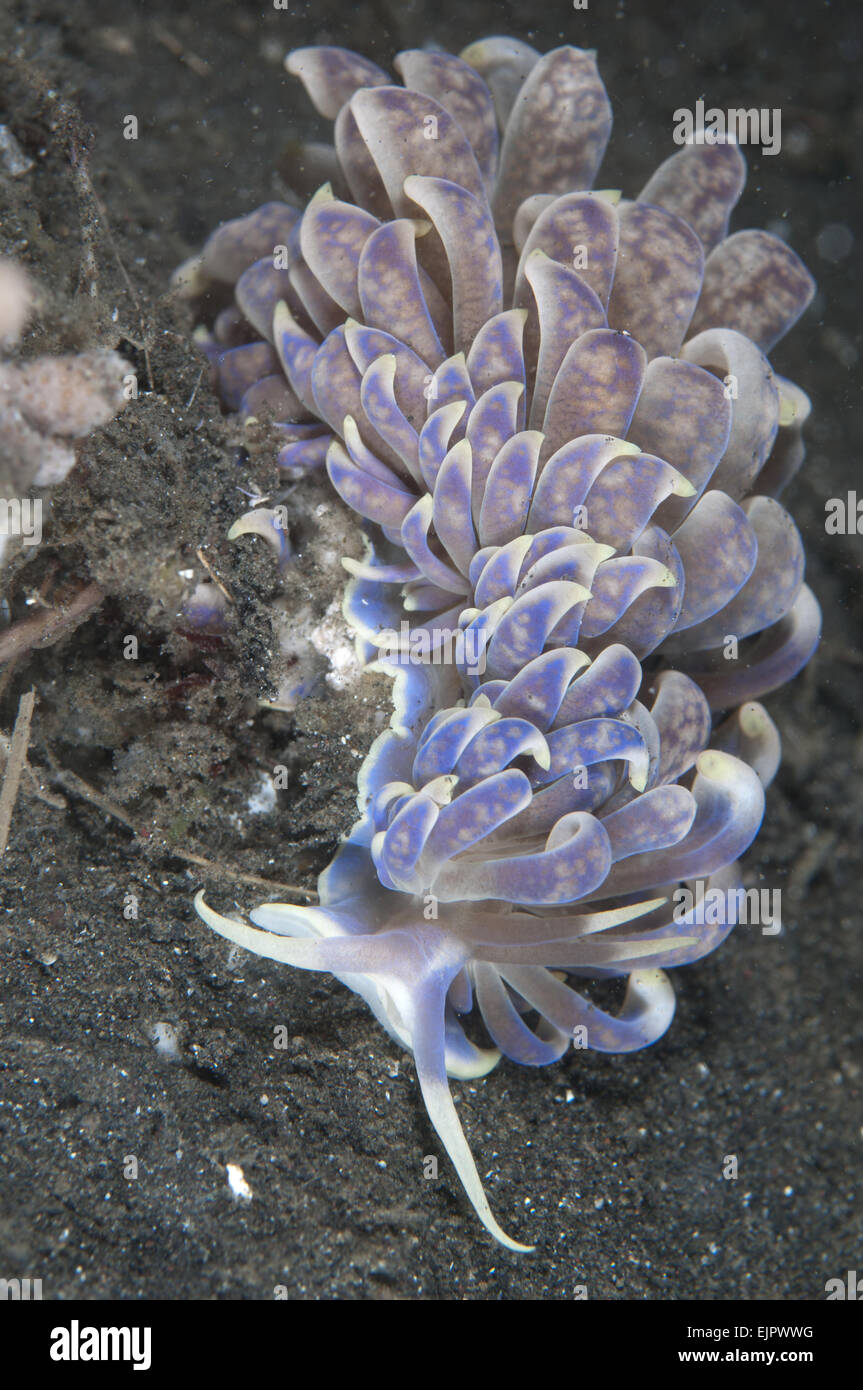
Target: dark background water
(613, 1165)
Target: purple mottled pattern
(552, 412)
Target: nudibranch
(553, 411)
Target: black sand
(613, 1165)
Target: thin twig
(212, 573)
(73, 783)
(195, 388)
(226, 871)
(87, 191)
(37, 787)
(200, 67)
(45, 628)
(15, 764)
(809, 863)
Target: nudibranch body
(553, 411)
